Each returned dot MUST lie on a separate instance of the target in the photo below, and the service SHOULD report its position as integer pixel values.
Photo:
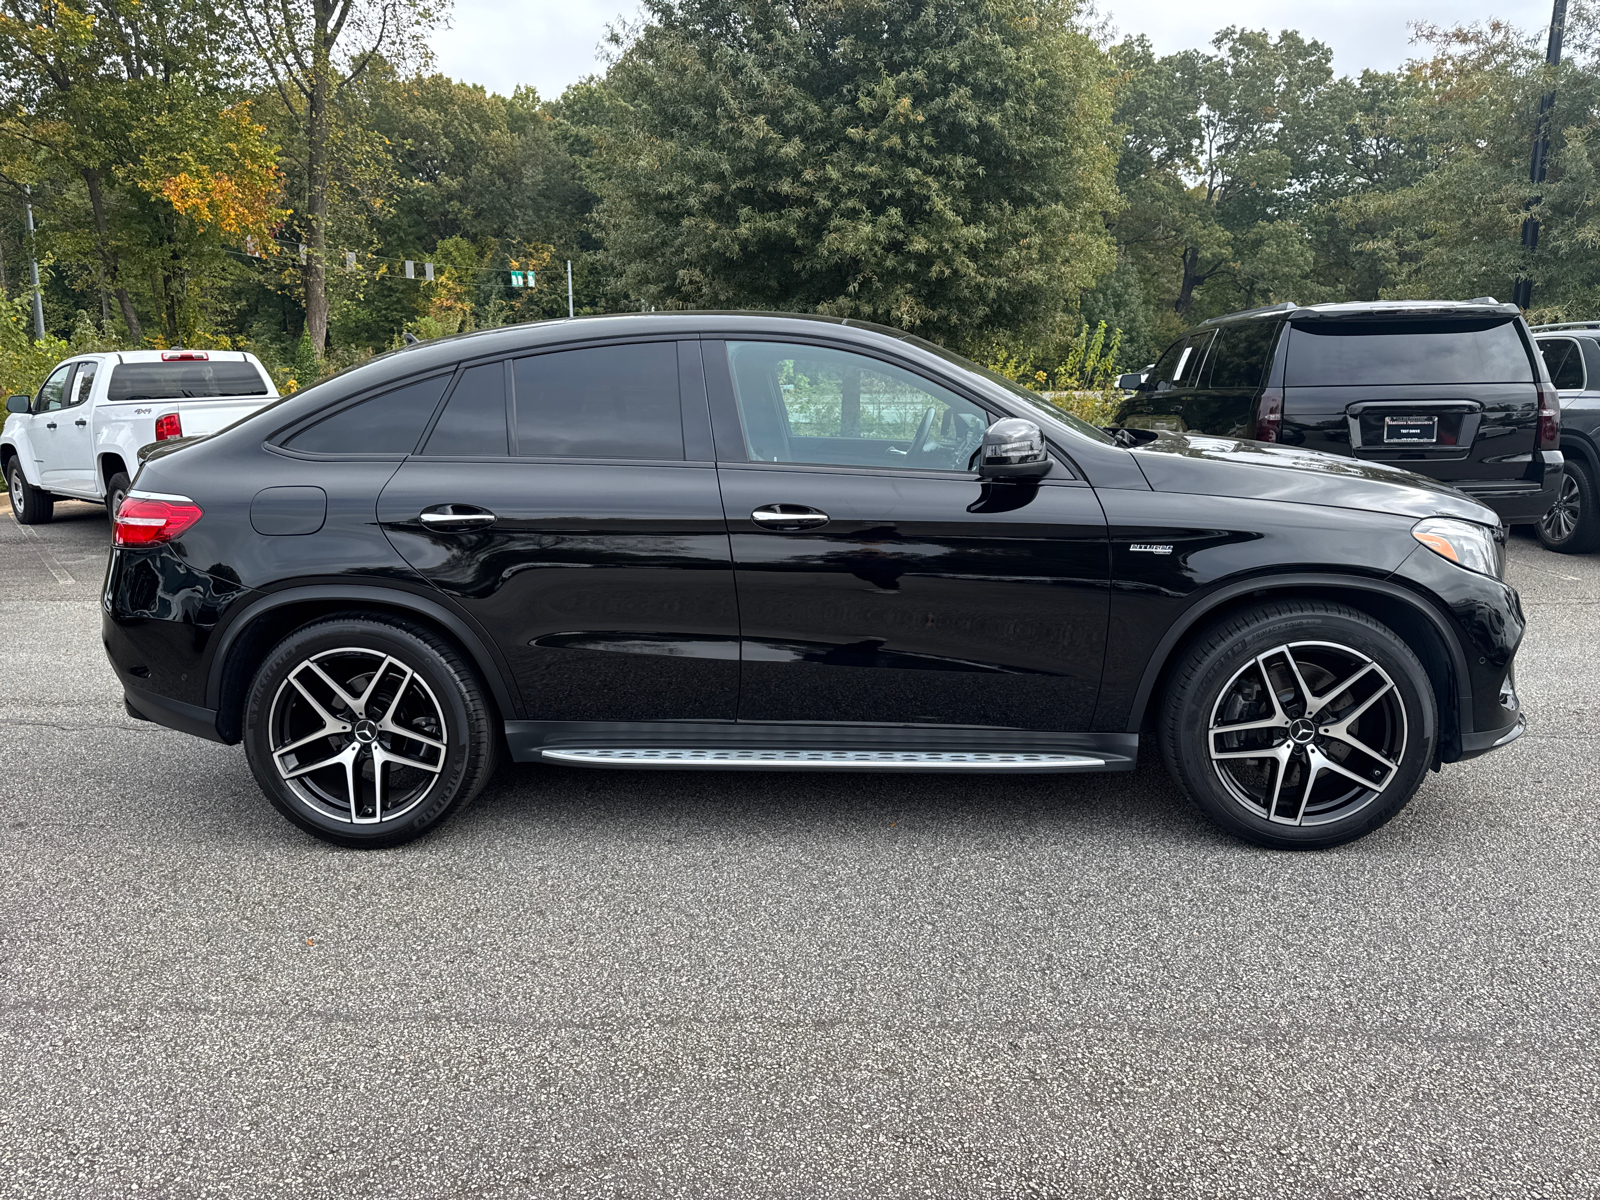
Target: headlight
(1463, 543)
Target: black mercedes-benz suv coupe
(1450, 389)
(753, 541)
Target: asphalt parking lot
(598, 984)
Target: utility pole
(33, 267)
(569, 261)
(1522, 289)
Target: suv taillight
(146, 522)
(1549, 418)
(1269, 416)
(168, 426)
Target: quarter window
(605, 402)
(474, 422)
(386, 424)
(1565, 362)
(806, 404)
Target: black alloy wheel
(1299, 724)
(1572, 524)
(29, 505)
(368, 732)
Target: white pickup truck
(80, 436)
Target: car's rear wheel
(368, 732)
(117, 488)
(29, 505)
(1299, 724)
(1572, 525)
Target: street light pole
(1522, 290)
(33, 267)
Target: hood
(1215, 466)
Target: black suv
(1572, 356)
(1450, 389)
(752, 541)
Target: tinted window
(608, 402)
(474, 422)
(806, 404)
(1180, 365)
(82, 384)
(386, 424)
(1240, 356)
(184, 381)
(51, 394)
(1407, 352)
(1562, 357)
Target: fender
(484, 655)
(1580, 446)
(22, 445)
(1197, 612)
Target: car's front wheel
(29, 505)
(1572, 524)
(368, 732)
(1299, 724)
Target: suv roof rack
(1356, 309)
(1246, 314)
(1567, 325)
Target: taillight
(1269, 415)
(185, 356)
(141, 521)
(168, 426)
(1549, 418)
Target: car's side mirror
(18, 404)
(1013, 448)
(1131, 382)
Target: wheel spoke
(1306, 695)
(327, 717)
(345, 697)
(1324, 763)
(377, 676)
(1321, 702)
(345, 756)
(382, 754)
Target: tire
(445, 756)
(29, 505)
(1386, 706)
(117, 488)
(1572, 526)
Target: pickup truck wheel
(29, 505)
(1299, 725)
(368, 732)
(116, 492)
(1572, 526)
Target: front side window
(604, 402)
(53, 393)
(1242, 352)
(1565, 361)
(808, 404)
(386, 424)
(1180, 366)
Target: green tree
(940, 165)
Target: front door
(70, 467)
(879, 580)
(44, 427)
(568, 502)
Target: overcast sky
(503, 43)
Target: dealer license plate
(1411, 429)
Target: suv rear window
(1388, 353)
(184, 381)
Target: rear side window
(386, 424)
(474, 422)
(1565, 361)
(1388, 353)
(1241, 353)
(1180, 365)
(608, 402)
(184, 381)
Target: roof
(1567, 327)
(1358, 309)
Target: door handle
(80, 423)
(50, 425)
(788, 518)
(455, 518)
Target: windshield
(1034, 400)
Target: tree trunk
(314, 271)
(108, 259)
(1191, 280)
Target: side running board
(675, 758)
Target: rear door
(879, 580)
(1451, 397)
(568, 502)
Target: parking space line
(51, 562)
